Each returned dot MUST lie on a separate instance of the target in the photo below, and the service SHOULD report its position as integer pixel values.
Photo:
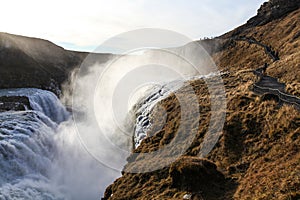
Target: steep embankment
(32, 62)
(258, 153)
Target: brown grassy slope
(258, 154)
(255, 136)
(282, 34)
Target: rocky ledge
(14, 103)
(272, 10)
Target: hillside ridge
(258, 153)
(39, 63)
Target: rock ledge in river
(14, 103)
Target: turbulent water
(43, 156)
(156, 94)
(27, 146)
(42, 101)
(145, 106)
(40, 157)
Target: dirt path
(267, 86)
(274, 55)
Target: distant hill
(32, 62)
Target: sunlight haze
(83, 25)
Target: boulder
(195, 174)
(14, 103)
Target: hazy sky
(83, 25)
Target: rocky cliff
(14, 103)
(272, 10)
(268, 12)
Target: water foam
(41, 156)
(41, 100)
(27, 146)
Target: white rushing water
(146, 104)
(43, 152)
(41, 156)
(41, 100)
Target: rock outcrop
(14, 103)
(272, 10)
(193, 174)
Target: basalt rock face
(14, 103)
(272, 10)
(197, 177)
(193, 174)
(32, 62)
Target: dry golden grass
(282, 34)
(258, 153)
(259, 140)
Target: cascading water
(46, 154)
(143, 123)
(40, 156)
(41, 100)
(147, 103)
(27, 146)
(26, 152)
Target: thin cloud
(85, 24)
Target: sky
(84, 25)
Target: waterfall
(26, 152)
(41, 100)
(41, 156)
(27, 146)
(153, 96)
(145, 106)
